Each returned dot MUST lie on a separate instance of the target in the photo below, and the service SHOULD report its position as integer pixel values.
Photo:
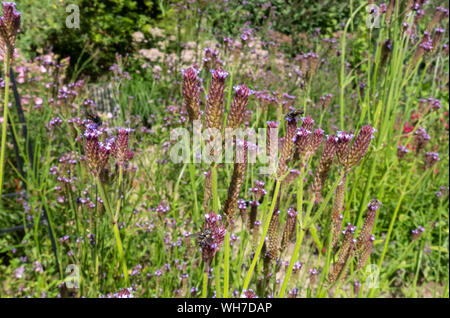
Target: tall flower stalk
(98, 155)
(215, 230)
(237, 179)
(9, 27)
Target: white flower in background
(138, 36)
(152, 54)
(157, 32)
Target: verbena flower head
(316, 141)
(401, 151)
(288, 146)
(258, 190)
(308, 123)
(360, 146)
(343, 145)
(9, 27)
(416, 233)
(303, 140)
(123, 293)
(273, 237)
(421, 139)
(191, 85)
(238, 106)
(434, 104)
(237, 179)
(249, 293)
(431, 158)
(120, 146)
(214, 105)
(213, 223)
(92, 149)
(289, 228)
(104, 151)
(326, 160)
(366, 231)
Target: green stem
(215, 196)
(226, 277)
(261, 241)
(121, 256)
(304, 224)
(391, 227)
(119, 199)
(5, 120)
(205, 281)
(116, 229)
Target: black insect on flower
(205, 238)
(94, 118)
(293, 114)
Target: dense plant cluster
(356, 131)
